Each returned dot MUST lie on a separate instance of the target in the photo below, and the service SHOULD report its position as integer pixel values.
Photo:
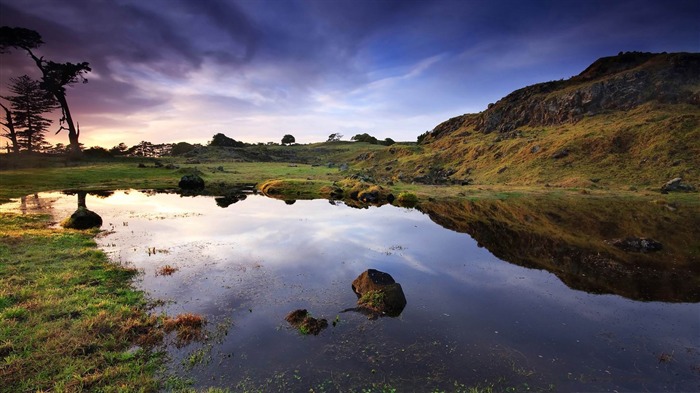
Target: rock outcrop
(619, 82)
(676, 185)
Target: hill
(626, 120)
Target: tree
(335, 137)
(11, 133)
(365, 138)
(181, 148)
(388, 142)
(288, 139)
(224, 141)
(421, 137)
(29, 102)
(119, 149)
(55, 76)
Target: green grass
(69, 320)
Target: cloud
(397, 68)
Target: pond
(522, 294)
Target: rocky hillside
(616, 83)
(631, 119)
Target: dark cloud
(364, 58)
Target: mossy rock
(83, 219)
(191, 182)
(379, 293)
(305, 323)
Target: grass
(188, 327)
(373, 300)
(643, 148)
(69, 320)
(166, 270)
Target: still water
(539, 322)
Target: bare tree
(11, 134)
(55, 76)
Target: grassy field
(69, 319)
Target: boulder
(83, 219)
(191, 182)
(676, 185)
(560, 154)
(636, 244)
(378, 292)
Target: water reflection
(470, 318)
(572, 238)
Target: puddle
(471, 318)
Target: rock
(676, 185)
(172, 166)
(378, 292)
(141, 165)
(306, 324)
(368, 196)
(560, 154)
(191, 182)
(343, 167)
(635, 244)
(83, 219)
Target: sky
(255, 70)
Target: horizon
(258, 70)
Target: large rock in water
(83, 219)
(191, 182)
(378, 292)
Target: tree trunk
(72, 131)
(12, 135)
(81, 199)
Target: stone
(560, 154)
(378, 292)
(302, 320)
(191, 182)
(83, 219)
(635, 244)
(676, 185)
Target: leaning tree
(55, 76)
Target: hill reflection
(571, 239)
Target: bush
(97, 152)
(407, 199)
(224, 141)
(181, 148)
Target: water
(471, 318)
